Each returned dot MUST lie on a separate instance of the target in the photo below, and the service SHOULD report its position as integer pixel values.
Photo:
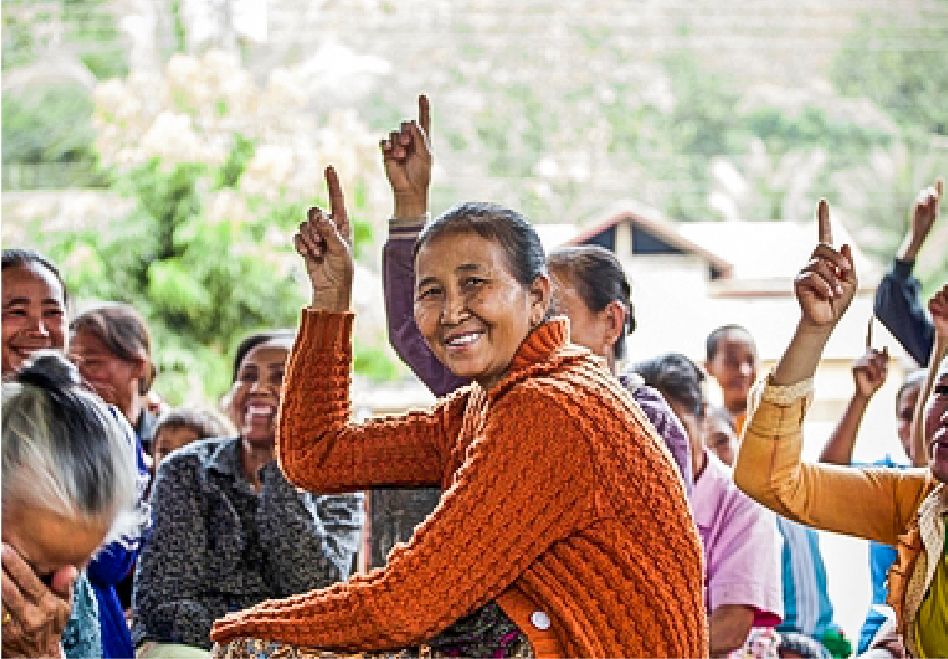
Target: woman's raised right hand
(324, 241)
(406, 155)
(826, 285)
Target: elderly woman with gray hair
(68, 483)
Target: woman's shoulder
(222, 454)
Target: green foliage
(84, 27)
(48, 139)
(202, 283)
(899, 73)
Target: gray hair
(63, 449)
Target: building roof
(765, 252)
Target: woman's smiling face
(255, 396)
(472, 311)
(34, 313)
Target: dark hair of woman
(677, 378)
(598, 277)
(123, 331)
(521, 244)
(256, 339)
(16, 257)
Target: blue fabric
(81, 637)
(112, 563)
(881, 558)
(898, 305)
(806, 604)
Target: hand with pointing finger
(924, 213)
(826, 285)
(324, 241)
(406, 155)
(870, 371)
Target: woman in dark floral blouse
(229, 529)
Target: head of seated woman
(34, 307)
(481, 286)
(111, 345)
(254, 397)
(68, 472)
(590, 287)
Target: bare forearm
(410, 210)
(803, 355)
(910, 247)
(839, 447)
(728, 627)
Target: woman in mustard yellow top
(903, 508)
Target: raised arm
(938, 306)
(859, 502)
(318, 448)
(482, 536)
(869, 374)
(406, 155)
(897, 303)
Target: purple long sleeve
(398, 268)
(403, 334)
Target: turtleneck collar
(540, 344)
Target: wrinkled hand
(938, 307)
(406, 155)
(325, 243)
(37, 614)
(826, 285)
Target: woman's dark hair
(63, 449)
(206, 423)
(599, 279)
(16, 257)
(677, 378)
(256, 339)
(520, 241)
(124, 333)
(714, 338)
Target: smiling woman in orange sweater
(563, 529)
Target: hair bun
(49, 369)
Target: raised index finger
(337, 202)
(869, 334)
(424, 114)
(823, 222)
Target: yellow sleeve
(870, 503)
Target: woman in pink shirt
(739, 536)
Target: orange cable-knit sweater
(557, 494)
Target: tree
(205, 251)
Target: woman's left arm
(309, 541)
(518, 492)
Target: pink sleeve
(744, 560)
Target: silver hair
(64, 450)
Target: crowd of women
(586, 510)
